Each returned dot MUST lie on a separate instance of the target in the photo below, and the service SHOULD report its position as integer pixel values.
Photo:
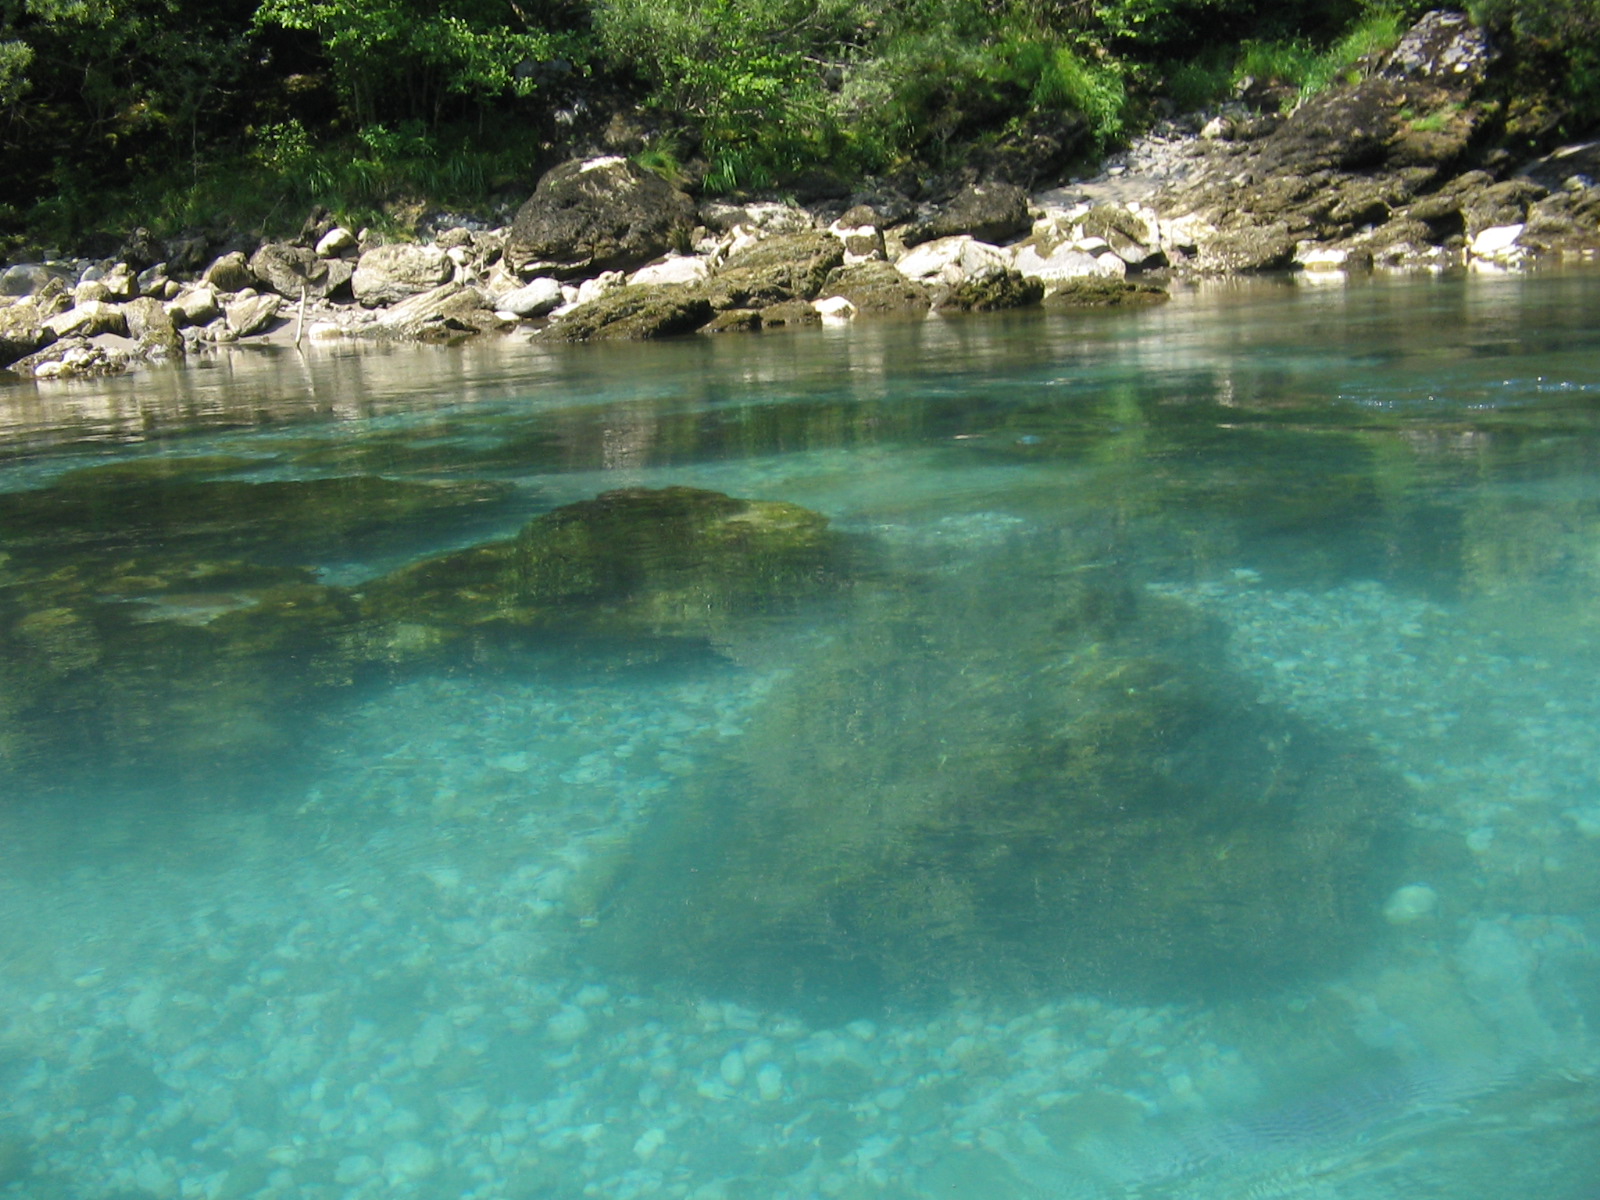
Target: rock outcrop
(593, 215)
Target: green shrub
(1376, 33)
(1557, 39)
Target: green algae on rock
(633, 313)
(676, 561)
(120, 510)
(923, 807)
(146, 651)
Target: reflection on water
(1110, 754)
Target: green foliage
(15, 58)
(1378, 32)
(359, 176)
(402, 56)
(744, 74)
(1559, 39)
(193, 106)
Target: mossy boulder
(1101, 292)
(127, 636)
(876, 287)
(789, 266)
(991, 212)
(674, 562)
(633, 313)
(993, 291)
(21, 331)
(157, 609)
(1061, 791)
(165, 510)
(593, 215)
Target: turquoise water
(1173, 771)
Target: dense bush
(171, 106)
(1558, 39)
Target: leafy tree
(96, 90)
(397, 59)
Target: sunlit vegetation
(176, 113)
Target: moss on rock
(634, 313)
(1074, 797)
(638, 562)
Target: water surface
(1170, 770)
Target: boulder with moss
(783, 267)
(876, 287)
(992, 291)
(22, 331)
(989, 212)
(961, 792)
(676, 562)
(633, 313)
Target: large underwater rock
(636, 562)
(149, 613)
(985, 793)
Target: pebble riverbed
(370, 991)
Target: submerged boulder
(963, 792)
(637, 562)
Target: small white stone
(731, 1068)
(769, 1081)
(568, 1025)
(674, 269)
(335, 242)
(405, 1161)
(1498, 243)
(1479, 840)
(649, 1142)
(1410, 903)
(835, 308)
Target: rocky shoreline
(1397, 169)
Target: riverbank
(1402, 168)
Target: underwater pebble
(592, 995)
(1587, 820)
(406, 1161)
(648, 1143)
(731, 1068)
(354, 1168)
(769, 1082)
(568, 1025)
(1410, 903)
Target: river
(1167, 764)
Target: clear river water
(1146, 754)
